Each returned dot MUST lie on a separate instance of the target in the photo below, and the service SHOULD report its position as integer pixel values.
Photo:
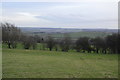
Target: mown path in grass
(51, 64)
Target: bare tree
(56, 46)
(10, 34)
(82, 44)
(38, 39)
(65, 43)
(29, 42)
(99, 44)
(50, 43)
(112, 42)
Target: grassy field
(74, 35)
(19, 63)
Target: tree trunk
(105, 51)
(50, 49)
(9, 45)
(97, 51)
(56, 49)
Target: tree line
(12, 35)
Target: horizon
(63, 28)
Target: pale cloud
(20, 17)
(27, 14)
(24, 19)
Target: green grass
(19, 63)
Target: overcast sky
(82, 14)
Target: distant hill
(63, 30)
(49, 30)
(74, 33)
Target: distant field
(76, 35)
(73, 35)
(19, 63)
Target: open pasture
(19, 63)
